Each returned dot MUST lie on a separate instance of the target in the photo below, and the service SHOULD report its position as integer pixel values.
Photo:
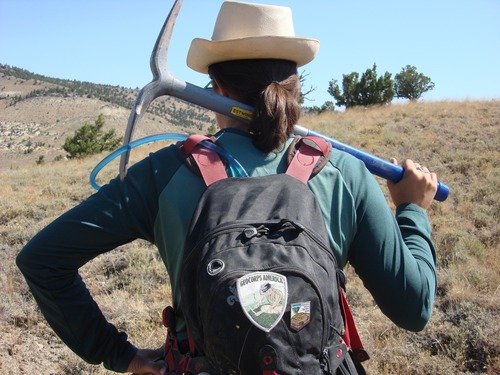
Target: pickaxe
(164, 83)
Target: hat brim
(204, 53)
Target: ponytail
(275, 114)
(272, 87)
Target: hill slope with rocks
(38, 113)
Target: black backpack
(260, 286)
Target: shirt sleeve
(394, 256)
(117, 214)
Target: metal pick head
(160, 85)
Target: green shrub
(91, 139)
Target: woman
(253, 57)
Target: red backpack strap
(307, 156)
(208, 161)
(351, 336)
(181, 357)
(173, 353)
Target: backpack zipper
(221, 229)
(227, 228)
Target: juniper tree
(90, 139)
(367, 90)
(410, 84)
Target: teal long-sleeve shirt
(393, 255)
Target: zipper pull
(250, 232)
(255, 232)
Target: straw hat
(251, 31)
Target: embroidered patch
(263, 297)
(300, 315)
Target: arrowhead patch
(263, 297)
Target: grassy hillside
(37, 113)
(177, 112)
(459, 140)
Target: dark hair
(272, 87)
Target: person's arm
(117, 214)
(394, 256)
(50, 263)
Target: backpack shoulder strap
(209, 163)
(307, 156)
(351, 336)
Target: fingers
(146, 361)
(409, 165)
(418, 185)
(421, 168)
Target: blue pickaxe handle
(375, 165)
(235, 109)
(221, 104)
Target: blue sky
(454, 42)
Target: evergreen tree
(410, 84)
(367, 90)
(90, 139)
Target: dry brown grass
(459, 140)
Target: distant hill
(37, 113)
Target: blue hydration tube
(235, 168)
